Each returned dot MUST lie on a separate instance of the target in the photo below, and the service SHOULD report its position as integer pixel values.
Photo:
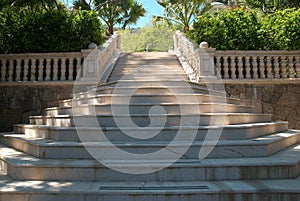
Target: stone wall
(20, 100)
(281, 98)
(278, 97)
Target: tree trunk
(110, 30)
(186, 28)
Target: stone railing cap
(204, 44)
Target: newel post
(206, 66)
(176, 39)
(91, 65)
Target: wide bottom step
(259, 190)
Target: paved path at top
(149, 66)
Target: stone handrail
(58, 66)
(99, 62)
(39, 66)
(198, 58)
(206, 61)
(258, 64)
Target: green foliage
(113, 12)
(48, 31)
(281, 30)
(182, 12)
(237, 29)
(269, 6)
(228, 29)
(158, 37)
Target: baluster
(277, 67)
(240, 67)
(293, 71)
(297, 66)
(18, 70)
(63, 69)
(268, 67)
(77, 71)
(48, 69)
(218, 64)
(247, 67)
(225, 67)
(286, 67)
(2, 69)
(26, 70)
(37, 71)
(10, 70)
(290, 67)
(261, 69)
(231, 72)
(255, 67)
(55, 69)
(234, 68)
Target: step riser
(149, 99)
(164, 135)
(144, 121)
(220, 151)
(144, 109)
(174, 174)
(150, 76)
(148, 91)
(141, 195)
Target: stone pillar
(118, 40)
(91, 65)
(176, 41)
(206, 65)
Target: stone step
(20, 166)
(142, 98)
(149, 71)
(229, 132)
(146, 78)
(162, 84)
(144, 108)
(227, 190)
(150, 90)
(156, 120)
(48, 149)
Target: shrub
(237, 29)
(48, 31)
(229, 29)
(281, 31)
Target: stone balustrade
(57, 66)
(207, 61)
(258, 64)
(40, 66)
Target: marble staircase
(53, 158)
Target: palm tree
(123, 12)
(182, 12)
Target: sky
(152, 8)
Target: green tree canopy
(157, 37)
(35, 4)
(182, 12)
(113, 12)
(268, 6)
